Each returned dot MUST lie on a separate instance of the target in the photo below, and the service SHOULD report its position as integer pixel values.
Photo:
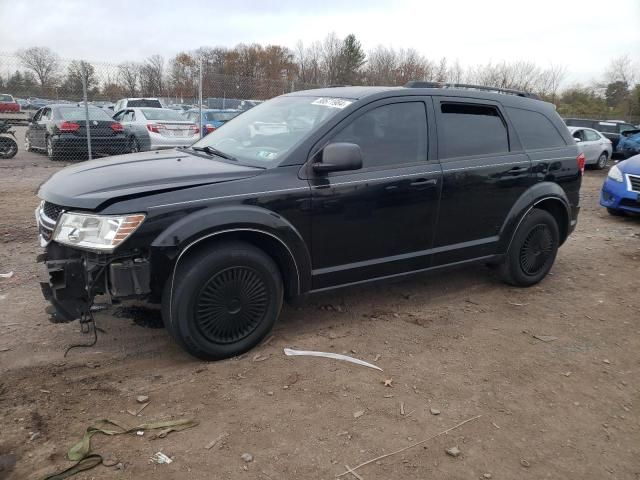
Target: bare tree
(43, 61)
(621, 70)
(152, 76)
(550, 81)
(129, 76)
(331, 51)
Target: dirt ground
(460, 342)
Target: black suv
(312, 191)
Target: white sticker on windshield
(332, 102)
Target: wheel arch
(546, 196)
(262, 228)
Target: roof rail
(508, 91)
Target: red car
(8, 104)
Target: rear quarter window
(534, 129)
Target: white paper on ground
(336, 356)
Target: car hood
(630, 165)
(90, 184)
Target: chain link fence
(76, 110)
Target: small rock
(486, 475)
(142, 398)
(358, 414)
(119, 466)
(606, 361)
(435, 411)
(92, 365)
(453, 451)
(524, 463)
(247, 457)
(270, 393)
(109, 461)
(140, 433)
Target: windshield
(162, 114)
(219, 116)
(77, 114)
(261, 136)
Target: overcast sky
(583, 35)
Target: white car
(156, 128)
(597, 148)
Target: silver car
(156, 128)
(597, 148)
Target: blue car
(212, 118)
(621, 190)
(629, 143)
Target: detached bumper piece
(75, 278)
(66, 289)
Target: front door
(377, 221)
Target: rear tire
(224, 300)
(602, 161)
(532, 251)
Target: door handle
(421, 182)
(518, 170)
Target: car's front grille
(52, 211)
(634, 180)
(47, 215)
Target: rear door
(44, 125)
(484, 172)
(36, 134)
(379, 220)
(594, 145)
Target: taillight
(154, 127)
(210, 128)
(69, 127)
(581, 161)
(117, 127)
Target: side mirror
(338, 157)
(577, 139)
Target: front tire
(52, 151)
(532, 251)
(134, 145)
(615, 212)
(224, 300)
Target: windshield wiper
(216, 152)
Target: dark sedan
(61, 131)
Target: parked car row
(610, 129)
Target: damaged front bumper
(75, 278)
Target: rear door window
(534, 129)
(466, 129)
(591, 136)
(6, 99)
(389, 135)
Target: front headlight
(95, 232)
(615, 174)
